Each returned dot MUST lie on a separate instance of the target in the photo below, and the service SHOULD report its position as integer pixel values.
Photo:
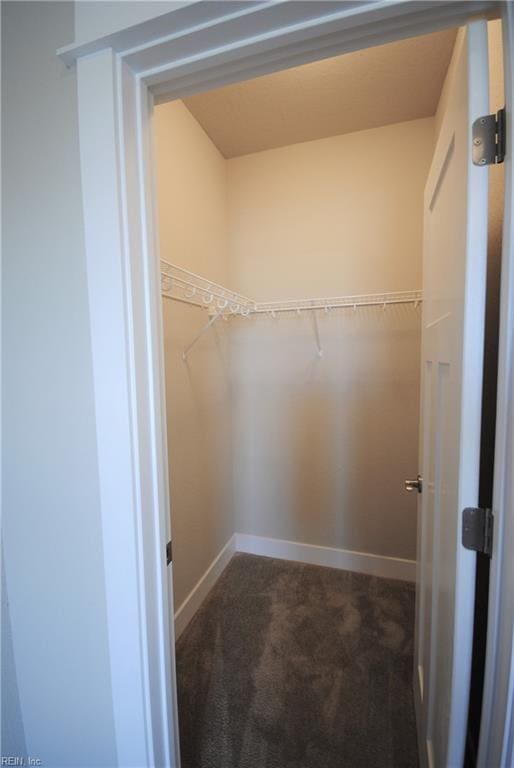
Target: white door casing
(454, 270)
(199, 46)
(126, 328)
(496, 745)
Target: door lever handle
(412, 485)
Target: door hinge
(477, 529)
(169, 553)
(489, 139)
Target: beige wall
(191, 182)
(321, 447)
(333, 215)
(264, 437)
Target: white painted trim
(195, 598)
(221, 31)
(2, 585)
(496, 746)
(301, 42)
(112, 379)
(114, 119)
(329, 557)
(123, 288)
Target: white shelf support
(199, 335)
(316, 333)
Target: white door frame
(496, 747)
(198, 46)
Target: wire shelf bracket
(199, 335)
(189, 288)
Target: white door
(454, 268)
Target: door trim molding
(229, 31)
(198, 46)
(126, 328)
(496, 744)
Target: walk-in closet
(290, 219)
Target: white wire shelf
(336, 302)
(187, 287)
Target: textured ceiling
(376, 86)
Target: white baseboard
(195, 598)
(344, 559)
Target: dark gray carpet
(294, 666)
